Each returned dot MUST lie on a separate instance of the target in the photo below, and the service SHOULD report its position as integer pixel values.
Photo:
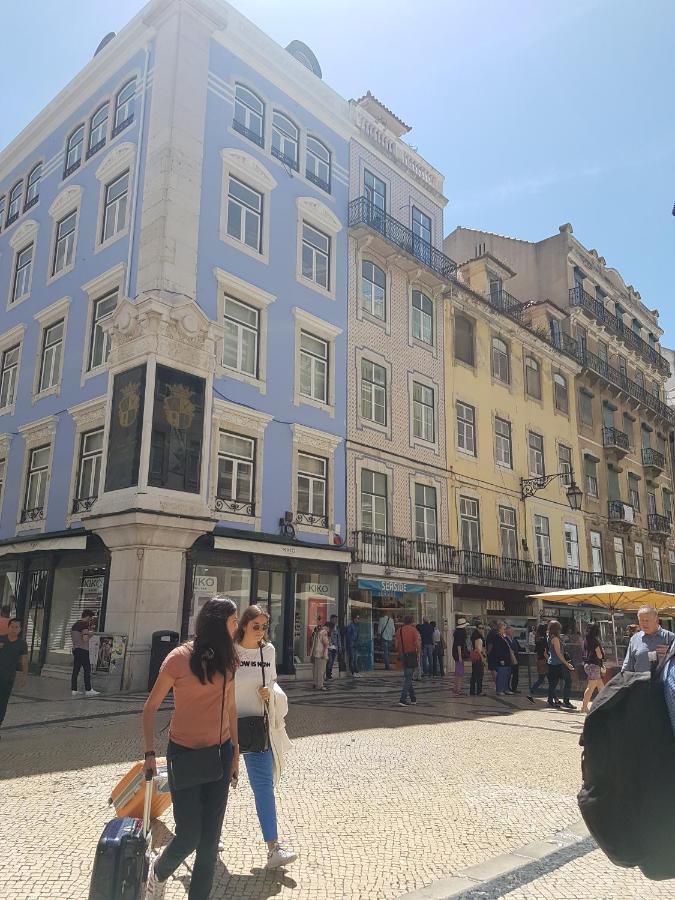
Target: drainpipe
(137, 173)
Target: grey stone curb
(473, 877)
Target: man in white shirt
(386, 630)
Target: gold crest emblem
(179, 408)
(129, 404)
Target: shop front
(375, 600)
(47, 582)
(298, 584)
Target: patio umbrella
(612, 597)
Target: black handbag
(188, 768)
(254, 731)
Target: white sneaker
(154, 890)
(278, 858)
(91, 693)
(77, 693)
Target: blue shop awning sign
(377, 586)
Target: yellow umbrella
(613, 597)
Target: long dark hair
(592, 634)
(212, 648)
(250, 613)
(541, 630)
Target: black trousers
(476, 683)
(439, 668)
(513, 682)
(555, 673)
(6, 685)
(198, 813)
(81, 661)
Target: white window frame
(429, 527)
(66, 203)
(619, 557)
(367, 303)
(571, 540)
(542, 539)
(102, 286)
(327, 332)
(640, 566)
(239, 463)
(250, 295)
(119, 125)
(378, 510)
(313, 243)
(312, 442)
(561, 382)
(599, 556)
(427, 410)
(24, 236)
(285, 138)
(317, 215)
(591, 481)
(17, 201)
(312, 480)
(310, 154)
(249, 111)
(418, 315)
(234, 316)
(116, 210)
(83, 456)
(531, 457)
(510, 528)
(565, 465)
(242, 210)
(74, 166)
(87, 416)
(319, 369)
(503, 441)
(467, 424)
(657, 563)
(47, 318)
(370, 390)
(26, 268)
(499, 359)
(469, 513)
(94, 148)
(10, 339)
(119, 160)
(245, 168)
(33, 187)
(37, 434)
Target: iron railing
(621, 381)
(311, 519)
(247, 133)
(83, 504)
(289, 161)
(653, 458)
(579, 297)
(363, 212)
(505, 302)
(36, 514)
(612, 437)
(234, 507)
(618, 511)
(658, 524)
(319, 182)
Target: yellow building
(511, 424)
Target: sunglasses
(257, 627)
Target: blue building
(173, 348)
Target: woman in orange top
(201, 675)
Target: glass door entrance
(36, 619)
(270, 596)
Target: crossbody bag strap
(222, 710)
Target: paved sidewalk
(379, 801)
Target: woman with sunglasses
(255, 699)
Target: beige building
(396, 435)
(623, 423)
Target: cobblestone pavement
(378, 800)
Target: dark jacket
(458, 642)
(500, 652)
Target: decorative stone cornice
(66, 201)
(319, 212)
(119, 159)
(88, 414)
(318, 440)
(225, 412)
(249, 166)
(5, 442)
(24, 234)
(40, 432)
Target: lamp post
(531, 486)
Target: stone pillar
(147, 580)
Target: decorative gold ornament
(129, 404)
(178, 407)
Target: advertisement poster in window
(204, 588)
(106, 654)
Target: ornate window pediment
(249, 168)
(318, 212)
(24, 234)
(67, 200)
(119, 159)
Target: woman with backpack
(558, 667)
(203, 750)
(594, 658)
(262, 706)
(541, 651)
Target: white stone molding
(249, 168)
(319, 213)
(96, 289)
(53, 312)
(65, 202)
(319, 216)
(305, 321)
(89, 414)
(315, 443)
(116, 161)
(23, 235)
(8, 340)
(105, 282)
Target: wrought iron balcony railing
(653, 459)
(289, 161)
(579, 297)
(363, 212)
(659, 525)
(613, 438)
(36, 514)
(234, 507)
(319, 182)
(247, 133)
(83, 504)
(506, 303)
(621, 381)
(311, 519)
(402, 553)
(618, 511)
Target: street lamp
(531, 486)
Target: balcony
(364, 214)
(401, 553)
(234, 507)
(83, 504)
(36, 514)
(247, 133)
(620, 381)
(505, 303)
(311, 519)
(615, 442)
(653, 460)
(582, 300)
(621, 514)
(659, 526)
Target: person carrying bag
(260, 717)
(202, 754)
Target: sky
(537, 113)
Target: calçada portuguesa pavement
(457, 796)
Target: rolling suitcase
(121, 865)
(128, 795)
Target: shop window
(316, 600)
(219, 581)
(76, 587)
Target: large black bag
(627, 797)
(121, 864)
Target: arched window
(284, 140)
(560, 393)
(249, 115)
(14, 207)
(532, 377)
(422, 317)
(33, 188)
(500, 360)
(74, 151)
(464, 349)
(373, 290)
(98, 129)
(318, 164)
(124, 107)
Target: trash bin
(163, 642)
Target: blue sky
(536, 113)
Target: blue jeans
(260, 768)
(353, 653)
(332, 656)
(385, 653)
(503, 675)
(428, 659)
(408, 684)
